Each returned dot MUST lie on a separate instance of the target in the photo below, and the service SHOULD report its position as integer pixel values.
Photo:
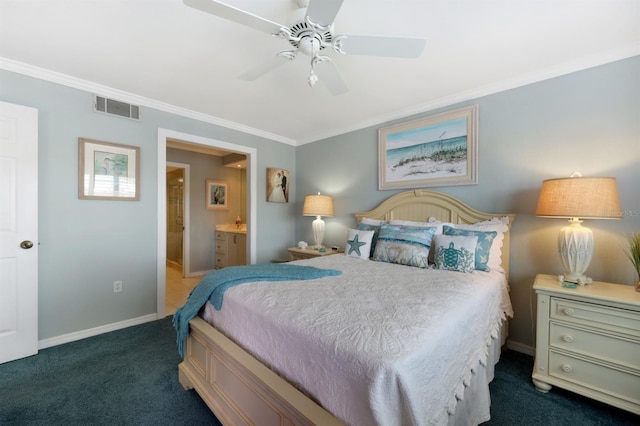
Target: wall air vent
(113, 107)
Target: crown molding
(77, 83)
(569, 67)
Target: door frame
(252, 166)
(186, 221)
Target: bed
(245, 372)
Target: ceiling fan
(310, 32)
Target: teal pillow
(483, 247)
(455, 252)
(406, 245)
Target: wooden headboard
(421, 204)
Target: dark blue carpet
(102, 381)
(514, 400)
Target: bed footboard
(239, 389)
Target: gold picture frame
(278, 184)
(108, 171)
(432, 151)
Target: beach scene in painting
(435, 151)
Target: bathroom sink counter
(232, 228)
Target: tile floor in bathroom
(178, 289)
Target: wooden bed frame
(242, 391)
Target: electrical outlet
(117, 286)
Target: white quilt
(381, 344)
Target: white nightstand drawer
(608, 348)
(593, 315)
(621, 384)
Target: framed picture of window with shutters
(108, 171)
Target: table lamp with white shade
(318, 206)
(578, 198)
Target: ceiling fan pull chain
(313, 78)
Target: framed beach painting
(217, 195)
(108, 171)
(438, 150)
(278, 184)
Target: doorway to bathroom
(177, 215)
(249, 198)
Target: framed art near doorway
(108, 171)
(278, 184)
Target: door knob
(26, 244)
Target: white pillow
(369, 221)
(410, 223)
(359, 243)
(455, 253)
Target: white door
(18, 231)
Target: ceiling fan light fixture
(309, 45)
(310, 30)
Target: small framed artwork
(278, 184)
(438, 150)
(108, 171)
(217, 195)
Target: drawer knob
(567, 338)
(569, 312)
(567, 368)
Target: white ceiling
(164, 54)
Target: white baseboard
(197, 274)
(521, 347)
(78, 335)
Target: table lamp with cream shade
(577, 198)
(318, 206)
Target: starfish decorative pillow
(359, 243)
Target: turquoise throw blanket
(213, 286)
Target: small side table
(296, 253)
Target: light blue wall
(85, 245)
(587, 121)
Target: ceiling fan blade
(323, 12)
(235, 15)
(398, 47)
(259, 70)
(329, 75)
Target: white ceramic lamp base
(575, 244)
(318, 232)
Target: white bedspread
(381, 344)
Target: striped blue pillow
(405, 245)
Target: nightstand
(296, 253)
(588, 341)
